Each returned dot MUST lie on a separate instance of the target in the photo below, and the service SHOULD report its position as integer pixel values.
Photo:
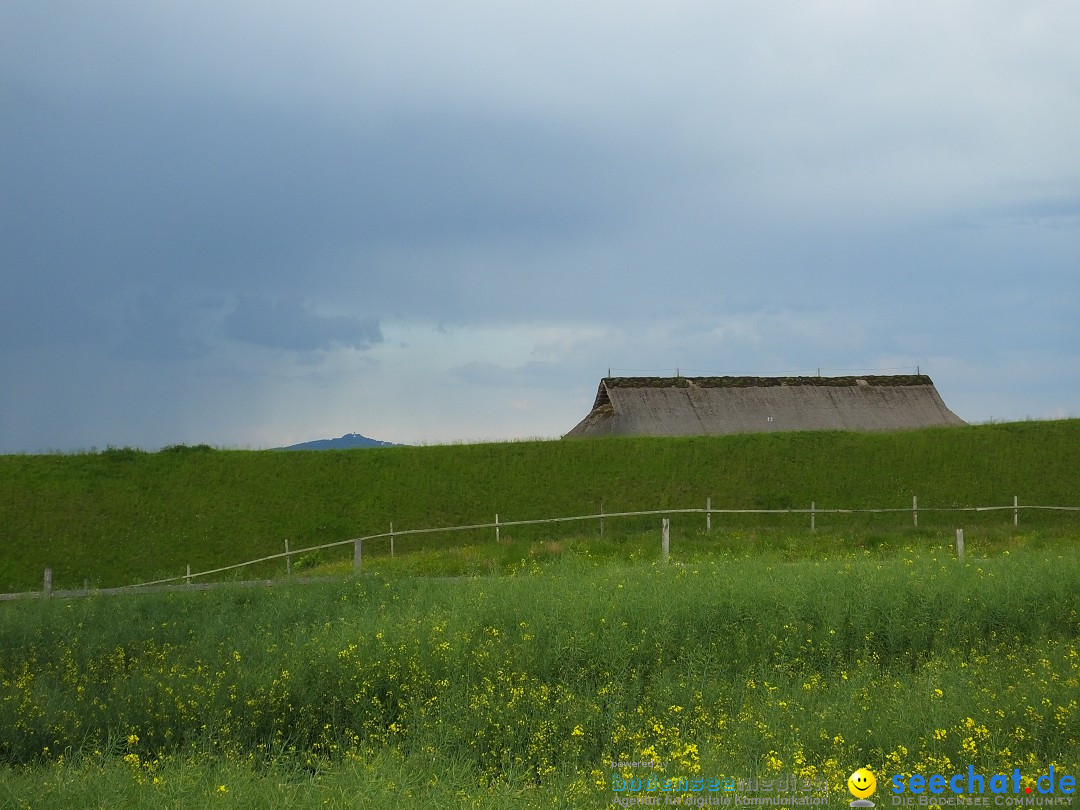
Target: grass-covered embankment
(521, 690)
(122, 516)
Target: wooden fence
(187, 579)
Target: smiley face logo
(862, 783)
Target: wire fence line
(498, 525)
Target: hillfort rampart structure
(710, 406)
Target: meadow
(464, 672)
(527, 689)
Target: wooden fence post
(1016, 511)
(813, 516)
(665, 542)
(187, 580)
(47, 587)
(601, 518)
(288, 559)
(357, 555)
(915, 510)
(496, 527)
(391, 538)
(708, 514)
(960, 545)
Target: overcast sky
(251, 224)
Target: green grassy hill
(122, 515)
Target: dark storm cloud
(198, 184)
(290, 324)
(701, 183)
(219, 196)
(163, 326)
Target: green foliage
(124, 516)
(513, 690)
(187, 448)
(759, 649)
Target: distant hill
(347, 442)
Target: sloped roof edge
(753, 382)
(671, 406)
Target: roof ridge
(749, 382)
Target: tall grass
(715, 667)
(122, 516)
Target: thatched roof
(688, 406)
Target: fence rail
(357, 542)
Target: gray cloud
(290, 324)
(164, 328)
(703, 183)
(481, 373)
